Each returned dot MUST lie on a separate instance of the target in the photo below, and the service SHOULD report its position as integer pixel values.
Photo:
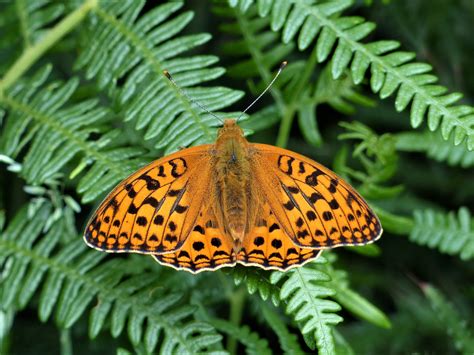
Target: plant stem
(237, 300)
(31, 54)
(66, 344)
(289, 113)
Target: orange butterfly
(216, 205)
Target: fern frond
(134, 52)
(24, 23)
(254, 345)
(257, 280)
(450, 318)
(450, 233)
(348, 298)
(288, 341)
(71, 278)
(257, 51)
(391, 71)
(435, 147)
(304, 290)
(42, 121)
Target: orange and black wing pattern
(206, 248)
(153, 210)
(315, 207)
(268, 246)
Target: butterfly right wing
(153, 210)
(268, 246)
(206, 248)
(314, 207)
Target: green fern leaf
(55, 132)
(71, 278)
(135, 51)
(391, 72)
(253, 343)
(24, 24)
(288, 341)
(304, 292)
(435, 147)
(450, 233)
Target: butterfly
(216, 205)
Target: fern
(450, 318)
(73, 131)
(25, 23)
(71, 278)
(257, 51)
(391, 71)
(253, 343)
(304, 292)
(135, 52)
(56, 132)
(450, 233)
(435, 147)
(288, 341)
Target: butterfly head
(230, 129)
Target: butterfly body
(234, 193)
(216, 205)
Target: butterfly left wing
(314, 207)
(154, 209)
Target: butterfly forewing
(315, 207)
(153, 210)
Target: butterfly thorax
(232, 182)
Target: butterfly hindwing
(268, 246)
(153, 210)
(315, 207)
(206, 248)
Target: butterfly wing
(154, 209)
(268, 246)
(312, 205)
(206, 248)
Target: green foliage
(451, 233)
(391, 71)
(450, 318)
(305, 294)
(125, 294)
(84, 103)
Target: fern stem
(23, 19)
(237, 301)
(31, 54)
(66, 343)
(289, 114)
(393, 223)
(285, 126)
(258, 58)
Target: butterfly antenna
(202, 107)
(282, 66)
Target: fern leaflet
(304, 292)
(450, 233)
